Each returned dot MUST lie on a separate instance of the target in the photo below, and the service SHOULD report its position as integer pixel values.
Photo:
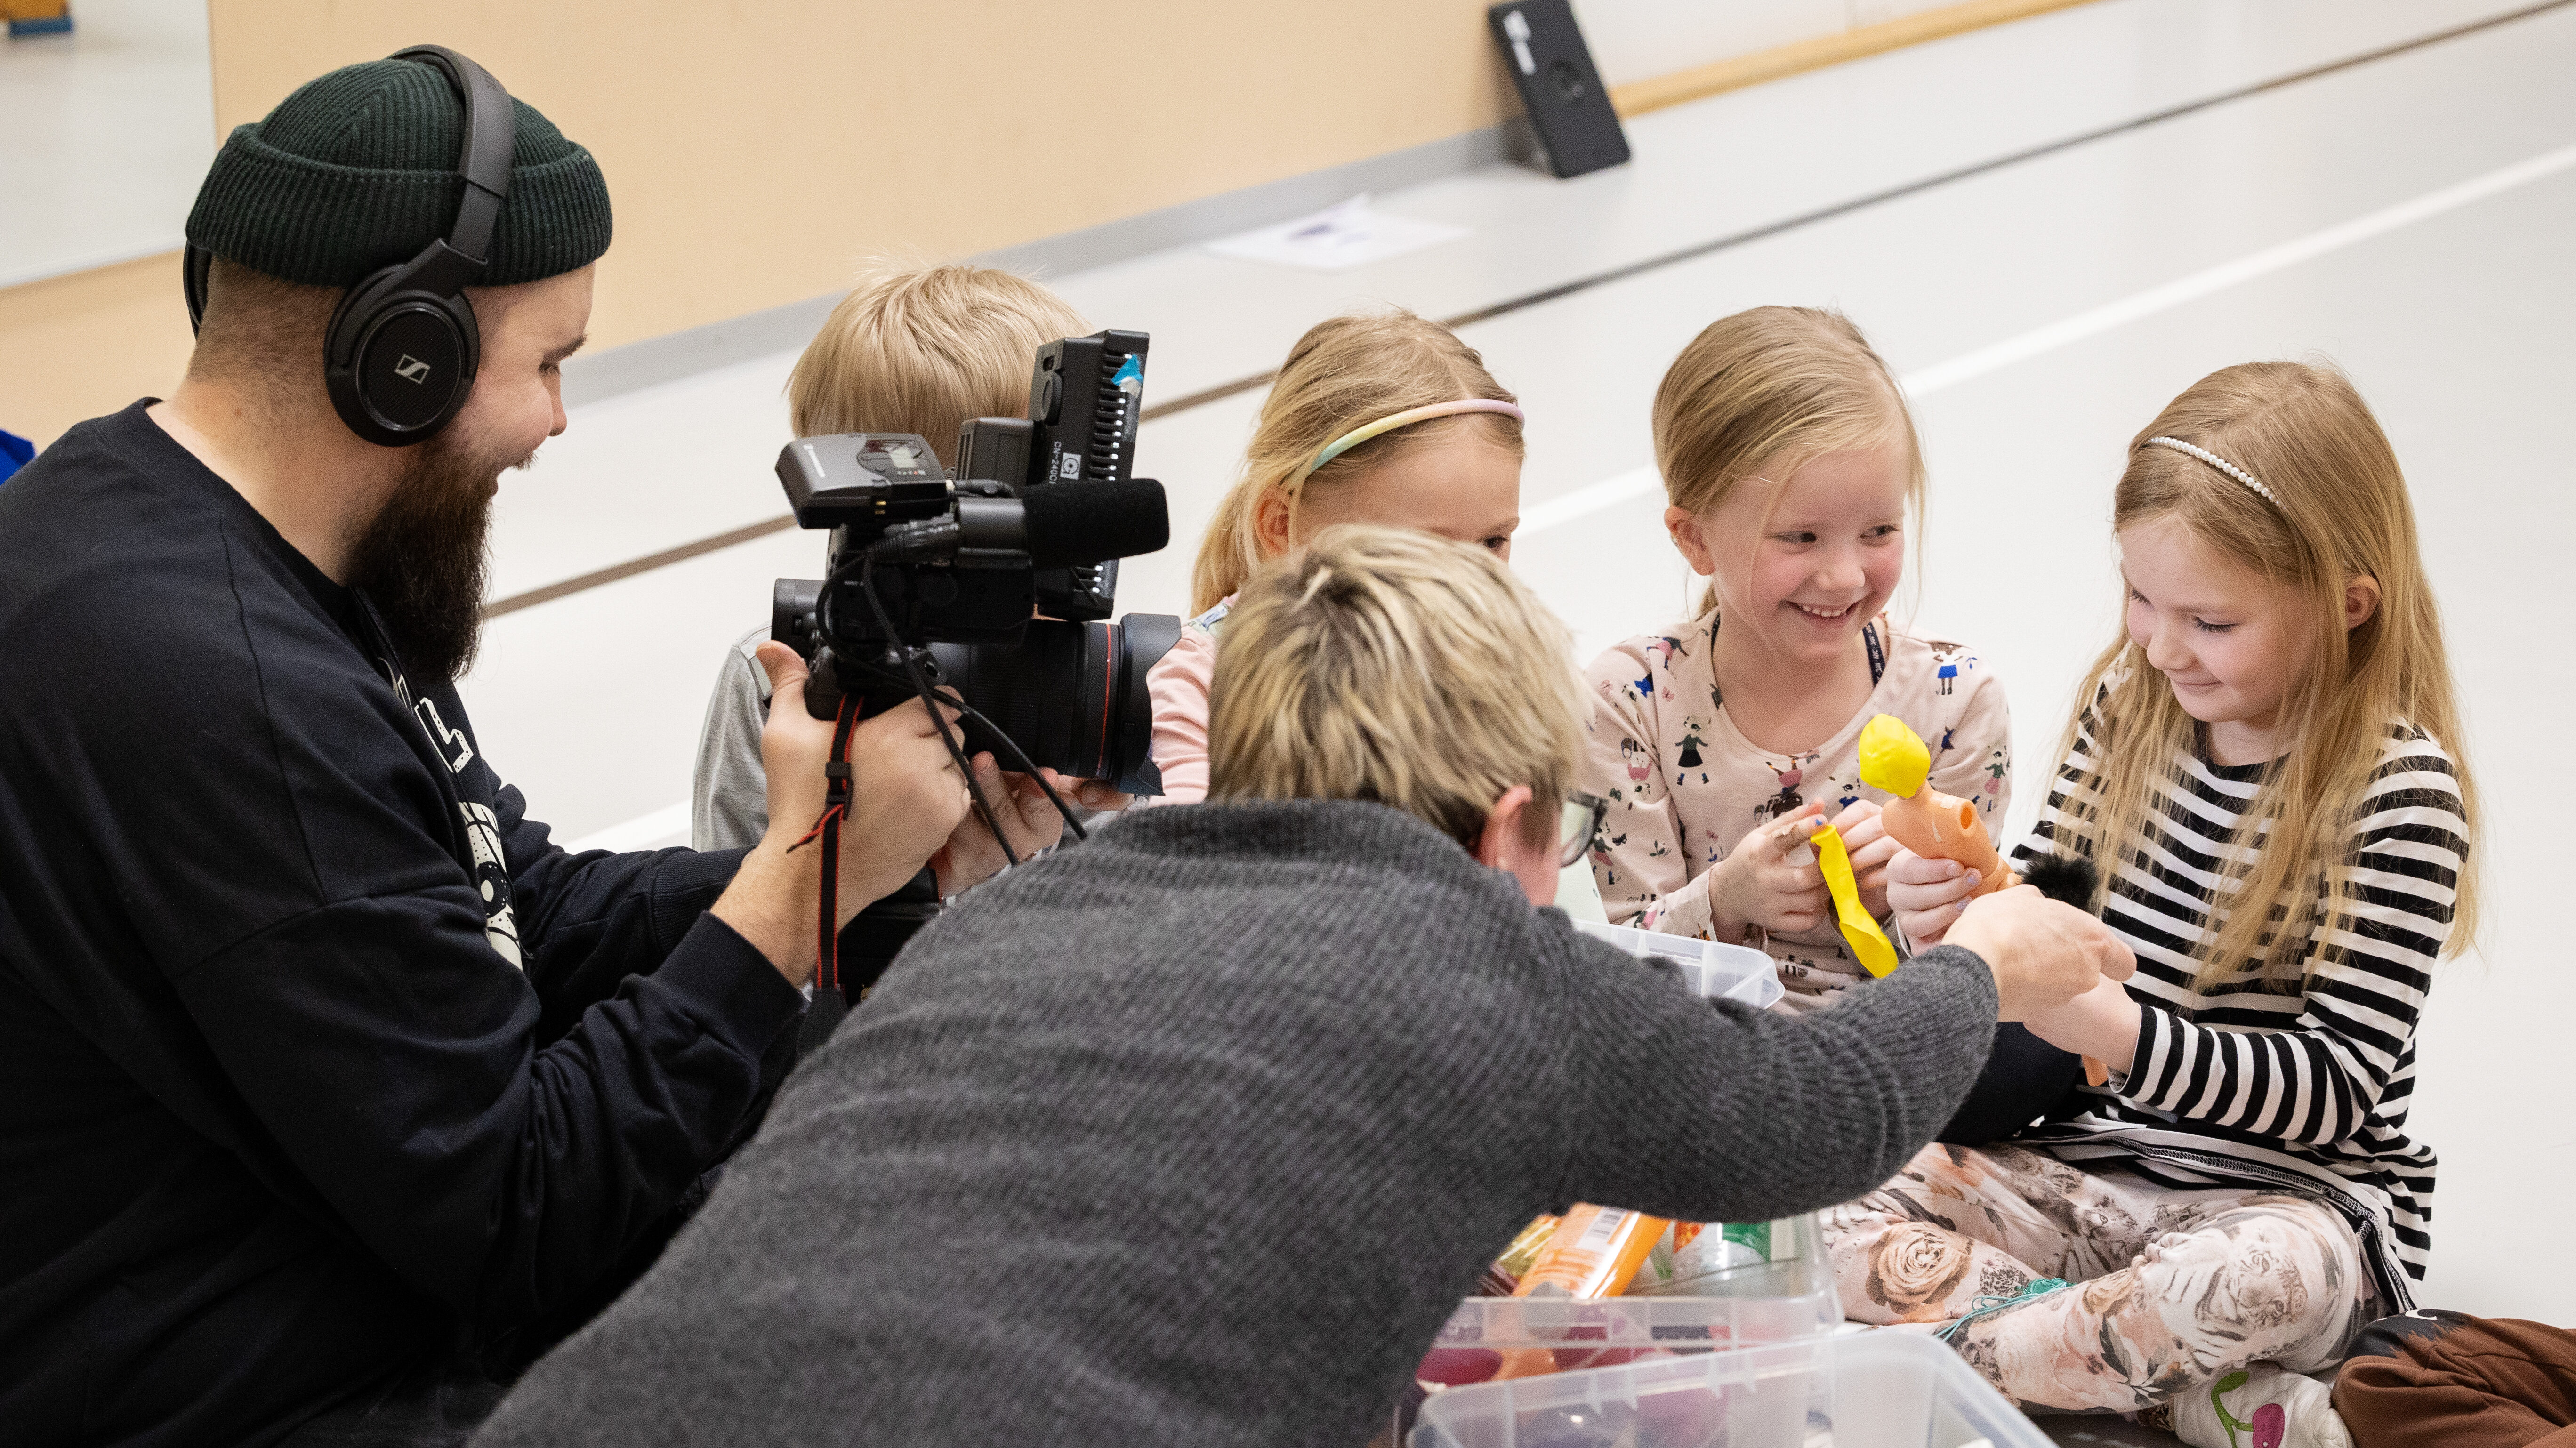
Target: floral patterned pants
(2168, 1289)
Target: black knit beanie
(357, 171)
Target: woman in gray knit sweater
(1196, 1133)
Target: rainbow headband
(1383, 425)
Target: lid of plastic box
(1717, 972)
(1877, 1389)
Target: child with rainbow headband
(1723, 741)
(1378, 417)
(2262, 770)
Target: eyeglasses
(1582, 821)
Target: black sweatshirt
(317, 1059)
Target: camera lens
(1071, 695)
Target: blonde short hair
(1384, 664)
(922, 349)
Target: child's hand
(1771, 879)
(1927, 895)
(1091, 794)
(2101, 1023)
(1866, 839)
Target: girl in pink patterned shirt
(1725, 739)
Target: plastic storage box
(1728, 972)
(1866, 1390)
(1790, 1296)
(1787, 1298)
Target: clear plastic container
(1788, 1297)
(1865, 1390)
(1729, 972)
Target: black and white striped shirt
(2304, 1090)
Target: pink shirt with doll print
(1684, 786)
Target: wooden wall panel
(79, 345)
(757, 152)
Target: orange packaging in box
(1594, 1252)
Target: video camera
(932, 581)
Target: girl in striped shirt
(2262, 774)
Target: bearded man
(324, 1076)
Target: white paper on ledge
(1336, 238)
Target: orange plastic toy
(1934, 825)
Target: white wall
(1636, 40)
(104, 135)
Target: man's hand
(2043, 954)
(905, 792)
(1771, 879)
(970, 857)
(905, 799)
(1927, 895)
(1871, 847)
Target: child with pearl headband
(1376, 417)
(2261, 768)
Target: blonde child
(1723, 741)
(2263, 770)
(1379, 417)
(918, 350)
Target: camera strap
(836, 809)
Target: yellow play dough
(1893, 757)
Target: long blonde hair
(1385, 664)
(2338, 509)
(1344, 374)
(1765, 392)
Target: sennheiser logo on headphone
(411, 369)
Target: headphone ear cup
(194, 262)
(399, 363)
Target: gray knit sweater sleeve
(1719, 1113)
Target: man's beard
(423, 559)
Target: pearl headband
(1383, 425)
(2215, 461)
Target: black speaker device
(1569, 108)
(400, 354)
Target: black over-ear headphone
(400, 355)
